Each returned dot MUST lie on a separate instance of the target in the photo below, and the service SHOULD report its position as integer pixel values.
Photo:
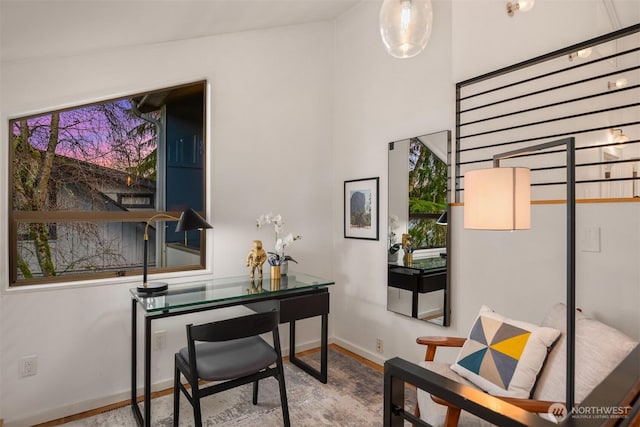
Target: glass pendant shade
(405, 26)
(526, 5)
(497, 199)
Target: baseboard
(117, 399)
(376, 358)
(74, 411)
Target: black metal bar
(604, 162)
(593, 147)
(324, 349)
(612, 392)
(571, 249)
(552, 88)
(457, 163)
(525, 151)
(571, 270)
(554, 104)
(393, 387)
(320, 375)
(147, 371)
(557, 135)
(497, 411)
(555, 119)
(552, 55)
(134, 359)
(551, 73)
(582, 181)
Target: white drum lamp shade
(497, 199)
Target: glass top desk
(300, 296)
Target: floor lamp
(188, 220)
(500, 199)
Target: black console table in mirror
(418, 233)
(426, 280)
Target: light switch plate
(590, 239)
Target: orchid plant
(393, 224)
(278, 256)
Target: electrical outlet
(28, 365)
(159, 340)
(379, 345)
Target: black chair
(230, 351)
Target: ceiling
(32, 28)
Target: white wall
(381, 99)
(270, 144)
(275, 96)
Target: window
(85, 180)
(427, 196)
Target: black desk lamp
(188, 220)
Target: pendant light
(405, 26)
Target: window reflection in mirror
(85, 180)
(418, 227)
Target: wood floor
(165, 392)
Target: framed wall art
(361, 209)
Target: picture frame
(361, 209)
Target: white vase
(284, 268)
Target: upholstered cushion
(217, 361)
(599, 349)
(434, 413)
(503, 356)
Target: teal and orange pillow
(504, 356)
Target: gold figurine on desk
(256, 257)
(408, 249)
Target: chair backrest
(235, 328)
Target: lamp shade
(405, 26)
(190, 220)
(497, 199)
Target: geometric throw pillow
(503, 356)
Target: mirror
(418, 235)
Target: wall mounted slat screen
(590, 91)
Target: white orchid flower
(263, 220)
(278, 255)
(278, 226)
(288, 239)
(280, 247)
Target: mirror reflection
(418, 227)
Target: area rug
(353, 396)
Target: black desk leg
(134, 359)
(320, 375)
(414, 304)
(324, 348)
(147, 371)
